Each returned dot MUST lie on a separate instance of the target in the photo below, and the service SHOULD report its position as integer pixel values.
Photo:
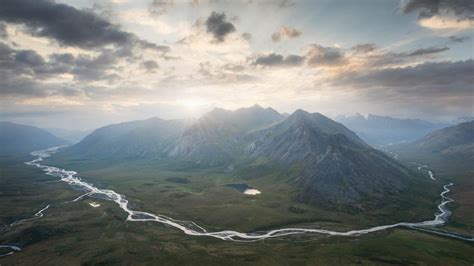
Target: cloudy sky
(87, 63)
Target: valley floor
(77, 233)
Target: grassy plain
(75, 233)
(205, 199)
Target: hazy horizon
(202, 112)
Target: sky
(88, 63)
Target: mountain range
(382, 130)
(16, 139)
(131, 140)
(324, 160)
(71, 135)
(457, 141)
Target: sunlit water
(251, 191)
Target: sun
(193, 105)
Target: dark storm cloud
(68, 25)
(464, 9)
(429, 50)
(432, 79)
(217, 25)
(278, 60)
(459, 39)
(318, 55)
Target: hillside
(214, 139)
(335, 165)
(455, 141)
(130, 140)
(16, 139)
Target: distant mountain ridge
(16, 139)
(70, 135)
(136, 139)
(381, 130)
(456, 141)
(325, 161)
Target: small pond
(244, 188)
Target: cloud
(29, 57)
(364, 48)
(82, 67)
(429, 50)
(284, 3)
(36, 113)
(442, 14)
(446, 23)
(278, 60)
(150, 65)
(247, 36)
(18, 62)
(69, 26)
(318, 55)
(222, 74)
(440, 78)
(293, 60)
(234, 67)
(362, 57)
(462, 9)
(217, 25)
(459, 39)
(3, 30)
(435, 88)
(160, 7)
(285, 32)
(391, 59)
(25, 87)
